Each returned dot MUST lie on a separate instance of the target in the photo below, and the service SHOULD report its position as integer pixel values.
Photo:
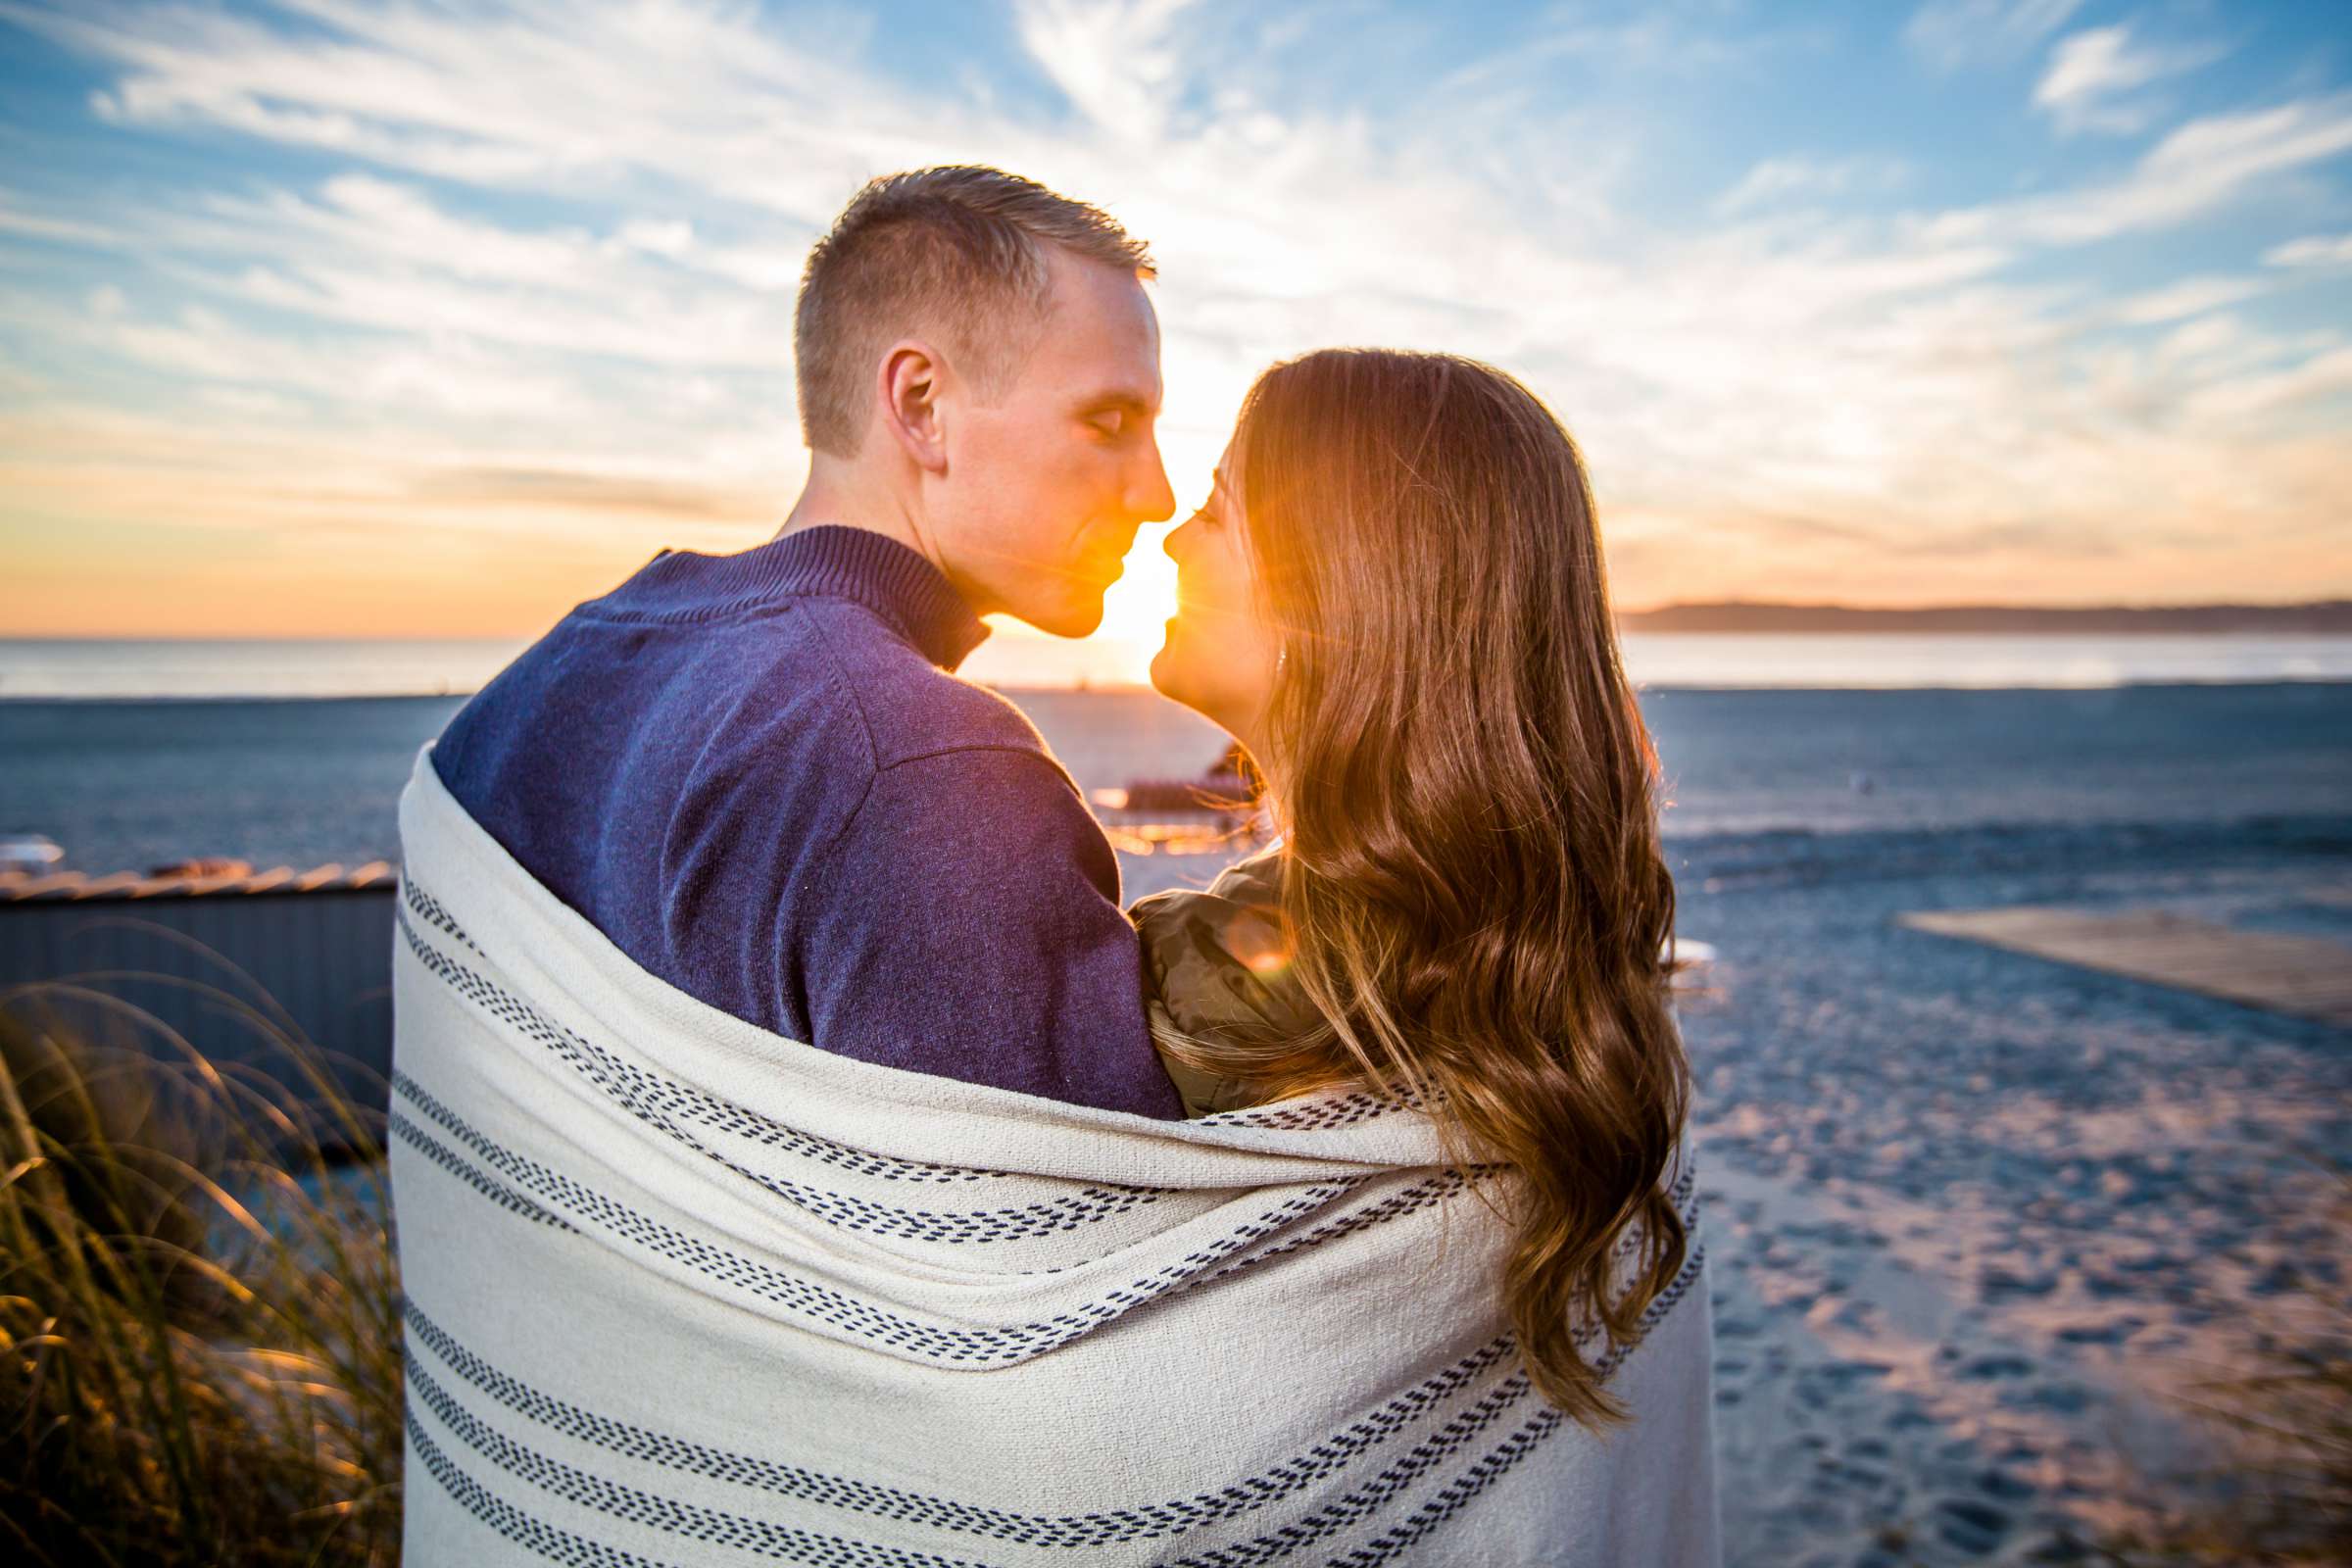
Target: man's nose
(1154, 498)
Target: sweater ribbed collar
(911, 596)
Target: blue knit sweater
(757, 775)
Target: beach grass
(199, 1329)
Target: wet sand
(1981, 1222)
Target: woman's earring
(1282, 656)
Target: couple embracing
(801, 1155)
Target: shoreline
(1017, 693)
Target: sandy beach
(1983, 1222)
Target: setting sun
(1140, 603)
(1135, 613)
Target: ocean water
(1015, 657)
(129, 784)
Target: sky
(343, 318)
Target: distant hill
(2325, 618)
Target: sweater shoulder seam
(1006, 748)
(840, 674)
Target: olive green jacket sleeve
(1215, 965)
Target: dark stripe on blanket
(1315, 1115)
(1498, 1463)
(432, 1149)
(633, 1505)
(734, 1530)
(1324, 1459)
(1417, 1196)
(1370, 1497)
(650, 1098)
(558, 1546)
(647, 1098)
(862, 1162)
(1017, 1343)
(1145, 1521)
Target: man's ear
(912, 380)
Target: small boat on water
(29, 855)
(1213, 813)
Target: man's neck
(843, 495)
(839, 494)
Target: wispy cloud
(2192, 296)
(530, 94)
(1116, 63)
(1955, 34)
(2195, 171)
(2317, 250)
(1780, 180)
(2095, 78)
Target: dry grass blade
(199, 1336)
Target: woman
(1393, 599)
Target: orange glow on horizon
(1136, 609)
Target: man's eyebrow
(1107, 402)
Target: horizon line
(1737, 605)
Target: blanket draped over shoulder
(682, 1291)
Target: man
(757, 774)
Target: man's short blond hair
(957, 251)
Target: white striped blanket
(682, 1291)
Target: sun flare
(1138, 606)
(1135, 615)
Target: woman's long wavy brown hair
(1473, 891)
